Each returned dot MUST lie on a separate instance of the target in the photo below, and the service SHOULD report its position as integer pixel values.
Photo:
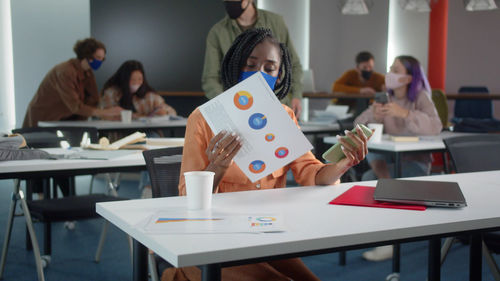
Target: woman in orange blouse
(256, 50)
(129, 89)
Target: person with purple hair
(408, 112)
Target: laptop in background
(428, 193)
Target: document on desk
(270, 138)
(179, 222)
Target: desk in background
(105, 127)
(314, 226)
(362, 102)
(396, 149)
(42, 168)
(472, 96)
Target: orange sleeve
(198, 135)
(344, 83)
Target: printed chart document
(180, 222)
(270, 138)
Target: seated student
(129, 89)
(69, 90)
(362, 79)
(409, 112)
(256, 50)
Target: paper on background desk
(270, 138)
(181, 222)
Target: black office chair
(68, 208)
(473, 108)
(164, 167)
(476, 153)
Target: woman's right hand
(221, 151)
(378, 112)
(111, 113)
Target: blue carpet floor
(73, 252)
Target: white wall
(472, 58)
(335, 39)
(7, 113)
(296, 16)
(43, 33)
(408, 34)
(473, 48)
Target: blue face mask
(271, 80)
(95, 63)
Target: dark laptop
(428, 193)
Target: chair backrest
(164, 167)
(474, 153)
(40, 137)
(480, 108)
(441, 104)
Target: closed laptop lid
(429, 193)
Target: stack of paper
(404, 138)
(331, 114)
(105, 145)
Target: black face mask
(366, 74)
(233, 9)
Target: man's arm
(342, 85)
(210, 79)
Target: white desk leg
(34, 241)
(112, 184)
(8, 230)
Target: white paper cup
(377, 134)
(126, 116)
(199, 189)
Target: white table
(117, 126)
(425, 144)
(319, 127)
(314, 226)
(32, 169)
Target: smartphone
(382, 97)
(335, 153)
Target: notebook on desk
(363, 196)
(428, 193)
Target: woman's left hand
(392, 109)
(357, 152)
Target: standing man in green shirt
(243, 15)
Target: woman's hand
(221, 151)
(354, 153)
(378, 114)
(392, 109)
(110, 113)
(332, 172)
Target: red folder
(363, 196)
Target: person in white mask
(408, 112)
(129, 89)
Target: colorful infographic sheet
(270, 138)
(168, 222)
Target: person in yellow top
(363, 79)
(256, 50)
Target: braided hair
(237, 55)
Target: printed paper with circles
(270, 138)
